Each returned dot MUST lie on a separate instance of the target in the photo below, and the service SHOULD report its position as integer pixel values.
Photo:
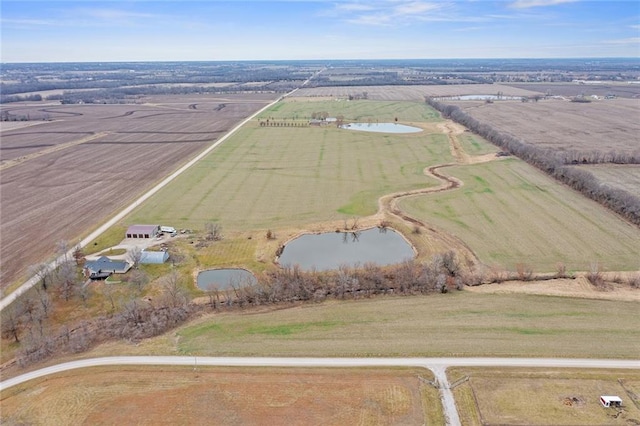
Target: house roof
(154, 256)
(142, 229)
(103, 263)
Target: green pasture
(458, 324)
(475, 145)
(510, 213)
(273, 177)
(362, 111)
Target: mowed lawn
(271, 177)
(510, 213)
(454, 324)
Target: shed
(142, 231)
(610, 401)
(147, 257)
(103, 267)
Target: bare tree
(67, 279)
(10, 323)
(42, 272)
(174, 294)
(134, 255)
(214, 231)
(138, 280)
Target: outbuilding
(142, 231)
(610, 401)
(153, 257)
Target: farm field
(621, 90)
(226, 396)
(414, 93)
(512, 396)
(275, 177)
(58, 182)
(619, 176)
(603, 125)
(510, 213)
(454, 324)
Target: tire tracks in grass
(388, 204)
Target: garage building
(142, 231)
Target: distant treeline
(560, 165)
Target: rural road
(437, 365)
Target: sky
(211, 30)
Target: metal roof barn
(142, 231)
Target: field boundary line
(14, 162)
(10, 298)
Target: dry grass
(226, 396)
(625, 177)
(510, 213)
(558, 397)
(457, 324)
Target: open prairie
(602, 125)
(414, 93)
(509, 213)
(226, 396)
(454, 324)
(273, 177)
(619, 176)
(495, 396)
(62, 178)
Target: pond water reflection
(223, 279)
(332, 249)
(382, 127)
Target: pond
(223, 279)
(332, 249)
(382, 127)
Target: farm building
(154, 257)
(610, 401)
(103, 267)
(142, 231)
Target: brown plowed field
(48, 194)
(602, 125)
(621, 90)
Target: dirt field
(545, 397)
(60, 182)
(621, 90)
(225, 396)
(602, 125)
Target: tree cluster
(561, 166)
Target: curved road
(437, 365)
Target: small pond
(382, 127)
(332, 249)
(223, 279)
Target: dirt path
(14, 162)
(388, 204)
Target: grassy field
(543, 397)
(226, 396)
(458, 324)
(510, 213)
(273, 177)
(619, 176)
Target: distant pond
(224, 279)
(382, 127)
(330, 250)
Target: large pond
(223, 279)
(382, 127)
(332, 249)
